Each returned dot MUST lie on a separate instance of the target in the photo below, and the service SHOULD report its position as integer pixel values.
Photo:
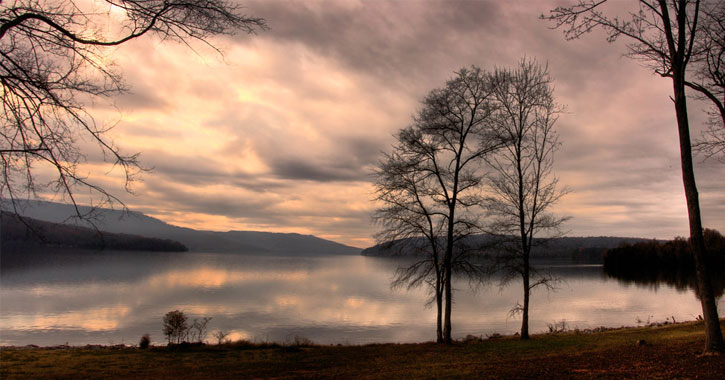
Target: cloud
(282, 132)
(379, 38)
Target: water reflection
(116, 297)
(683, 279)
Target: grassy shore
(668, 352)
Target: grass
(670, 352)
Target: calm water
(112, 298)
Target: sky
(282, 131)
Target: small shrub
(199, 330)
(220, 336)
(144, 342)
(558, 327)
(300, 341)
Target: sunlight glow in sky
(282, 132)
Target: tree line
(671, 262)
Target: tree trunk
(527, 291)
(713, 334)
(447, 275)
(439, 308)
(448, 298)
(447, 264)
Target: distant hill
(135, 223)
(584, 248)
(20, 234)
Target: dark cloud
(298, 169)
(149, 131)
(204, 171)
(395, 40)
(290, 154)
(350, 159)
(184, 199)
(140, 98)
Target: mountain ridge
(137, 223)
(22, 233)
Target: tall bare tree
(411, 222)
(431, 185)
(663, 35)
(52, 56)
(522, 185)
(708, 65)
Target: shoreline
(659, 352)
(557, 330)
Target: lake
(115, 297)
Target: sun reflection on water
(326, 299)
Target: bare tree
(410, 223)
(199, 329)
(664, 36)
(220, 335)
(53, 56)
(708, 62)
(522, 185)
(430, 186)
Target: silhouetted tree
(709, 76)
(199, 329)
(430, 185)
(220, 335)
(665, 36)
(522, 185)
(144, 342)
(175, 327)
(407, 215)
(52, 57)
